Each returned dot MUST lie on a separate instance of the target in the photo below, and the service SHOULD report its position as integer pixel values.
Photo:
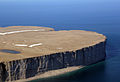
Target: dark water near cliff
(102, 16)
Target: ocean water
(102, 16)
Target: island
(30, 52)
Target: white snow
(33, 45)
(22, 45)
(12, 32)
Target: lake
(102, 16)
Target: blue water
(102, 16)
(9, 51)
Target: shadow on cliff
(3, 72)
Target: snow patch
(22, 45)
(5, 33)
(33, 45)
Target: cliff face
(29, 67)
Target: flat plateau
(33, 41)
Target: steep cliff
(26, 52)
(25, 68)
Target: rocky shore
(58, 50)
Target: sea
(102, 16)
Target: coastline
(76, 49)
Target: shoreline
(52, 73)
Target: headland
(30, 51)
